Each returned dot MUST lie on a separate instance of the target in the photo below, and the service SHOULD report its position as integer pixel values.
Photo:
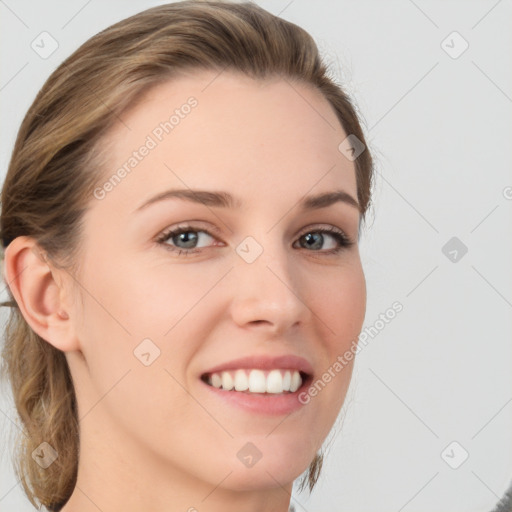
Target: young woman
(180, 223)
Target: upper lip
(284, 362)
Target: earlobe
(38, 293)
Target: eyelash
(343, 240)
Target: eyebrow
(226, 200)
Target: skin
(152, 437)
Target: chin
(269, 476)
(271, 467)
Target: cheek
(341, 305)
(172, 306)
(147, 297)
(126, 315)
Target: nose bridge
(267, 286)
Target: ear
(38, 289)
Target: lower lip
(262, 403)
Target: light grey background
(440, 129)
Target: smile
(256, 381)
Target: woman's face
(256, 278)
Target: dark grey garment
(505, 504)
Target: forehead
(220, 131)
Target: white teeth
(287, 380)
(216, 380)
(241, 381)
(257, 381)
(296, 382)
(274, 382)
(227, 381)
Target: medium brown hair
(57, 162)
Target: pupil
(185, 237)
(310, 237)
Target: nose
(269, 293)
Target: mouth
(255, 381)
